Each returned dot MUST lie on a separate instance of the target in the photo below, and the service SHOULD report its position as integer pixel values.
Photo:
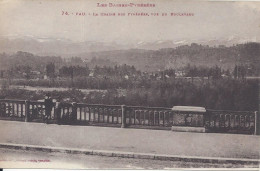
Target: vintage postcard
(129, 84)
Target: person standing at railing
(48, 107)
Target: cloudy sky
(212, 20)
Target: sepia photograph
(129, 84)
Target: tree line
(227, 94)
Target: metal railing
(128, 116)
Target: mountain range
(145, 56)
(68, 48)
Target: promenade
(164, 142)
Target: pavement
(11, 158)
(132, 141)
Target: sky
(43, 20)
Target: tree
(50, 70)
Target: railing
(14, 109)
(36, 110)
(225, 121)
(163, 117)
(90, 113)
(23, 110)
(128, 116)
(148, 116)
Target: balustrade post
(3, 111)
(27, 111)
(257, 124)
(74, 112)
(123, 124)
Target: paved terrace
(131, 140)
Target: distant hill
(27, 59)
(54, 47)
(194, 54)
(151, 60)
(67, 48)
